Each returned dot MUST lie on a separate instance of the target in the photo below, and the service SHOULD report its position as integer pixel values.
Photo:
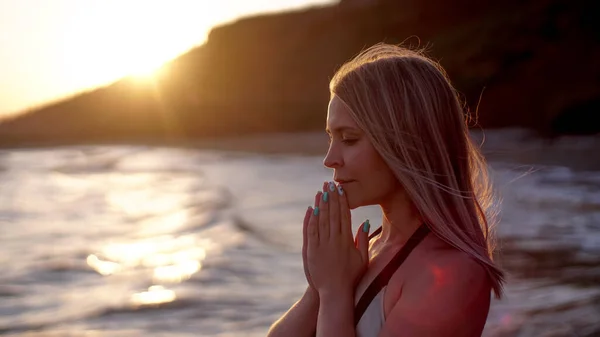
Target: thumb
(362, 240)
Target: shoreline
(304, 143)
(293, 143)
(510, 146)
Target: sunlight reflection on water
(176, 273)
(154, 295)
(173, 258)
(104, 268)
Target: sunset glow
(116, 39)
(54, 49)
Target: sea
(139, 240)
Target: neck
(400, 219)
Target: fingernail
(316, 211)
(331, 186)
(366, 226)
(340, 190)
(325, 196)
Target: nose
(333, 159)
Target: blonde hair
(413, 117)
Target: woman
(398, 140)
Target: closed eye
(345, 141)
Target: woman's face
(356, 165)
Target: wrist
(335, 293)
(311, 295)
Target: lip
(343, 182)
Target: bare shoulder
(445, 292)
(448, 265)
(436, 263)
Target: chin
(354, 203)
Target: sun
(144, 71)
(107, 40)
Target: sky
(51, 49)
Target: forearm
(336, 314)
(300, 320)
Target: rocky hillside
(518, 63)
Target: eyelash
(348, 142)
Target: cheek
(356, 163)
(375, 177)
(379, 181)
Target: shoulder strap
(375, 233)
(386, 274)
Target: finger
(345, 215)
(324, 215)
(313, 223)
(334, 210)
(362, 240)
(305, 243)
(305, 232)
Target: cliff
(518, 63)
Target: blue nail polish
(316, 211)
(366, 226)
(331, 186)
(325, 196)
(340, 190)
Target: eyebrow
(341, 129)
